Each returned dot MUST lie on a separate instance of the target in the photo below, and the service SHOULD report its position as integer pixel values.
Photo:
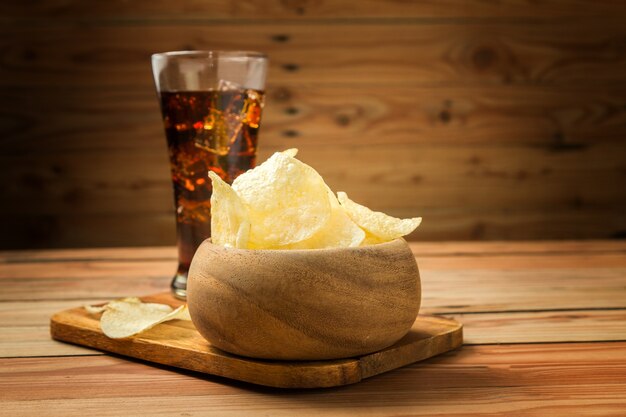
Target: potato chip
(183, 313)
(286, 200)
(378, 224)
(370, 239)
(129, 317)
(285, 204)
(230, 225)
(97, 309)
(292, 152)
(339, 231)
(94, 309)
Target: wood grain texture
(524, 378)
(320, 9)
(178, 343)
(130, 193)
(535, 116)
(530, 289)
(554, 379)
(100, 55)
(18, 341)
(26, 328)
(436, 249)
(543, 327)
(544, 278)
(417, 170)
(304, 304)
(491, 119)
(104, 254)
(478, 249)
(459, 277)
(74, 280)
(37, 313)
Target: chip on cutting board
(130, 316)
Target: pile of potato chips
(285, 204)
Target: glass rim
(211, 54)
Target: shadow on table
(457, 375)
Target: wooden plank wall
(492, 120)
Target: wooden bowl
(304, 304)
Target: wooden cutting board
(177, 343)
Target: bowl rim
(316, 250)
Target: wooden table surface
(545, 334)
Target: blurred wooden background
(491, 119)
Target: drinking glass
(211, 102)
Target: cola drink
(213, 130)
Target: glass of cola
(211, 103)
